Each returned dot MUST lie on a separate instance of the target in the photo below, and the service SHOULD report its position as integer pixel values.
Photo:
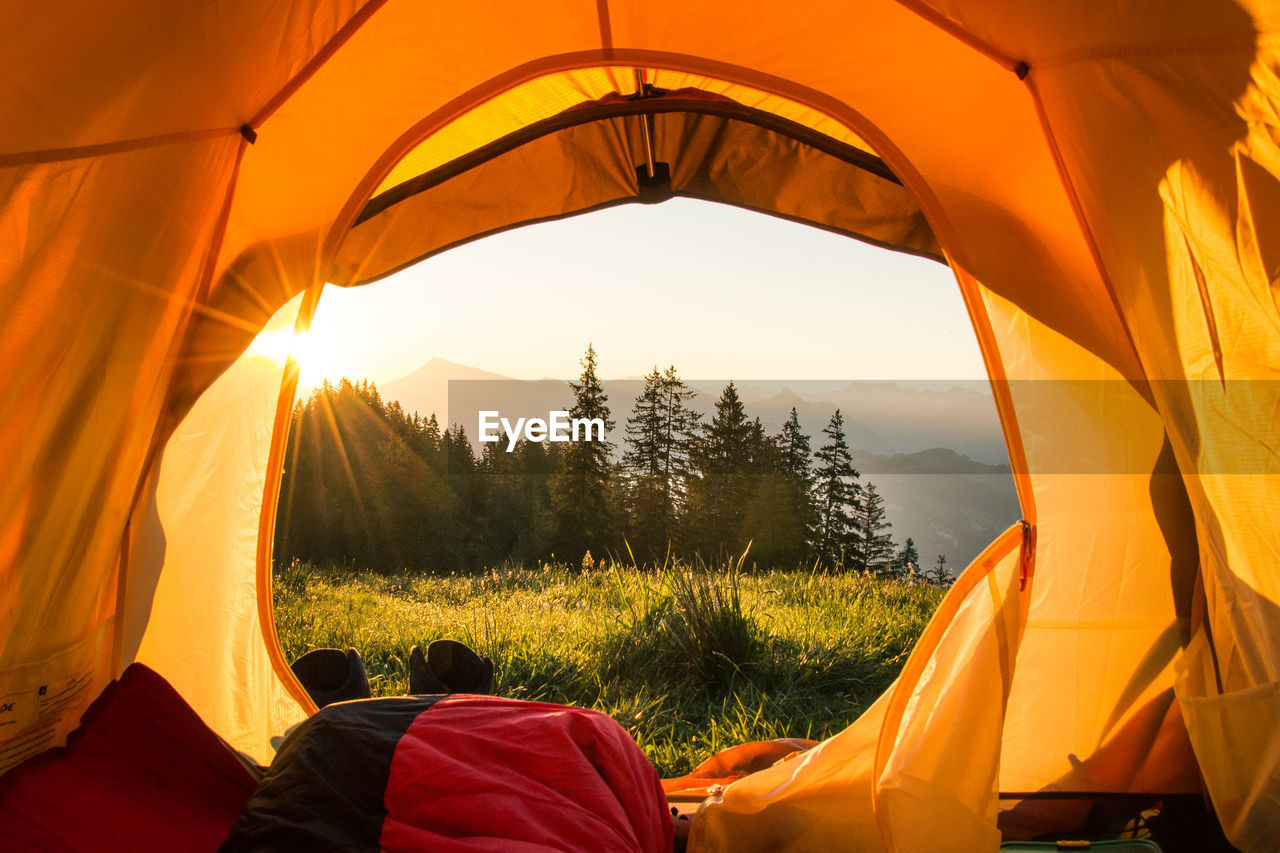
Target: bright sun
(319, 355)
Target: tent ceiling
(598, 154)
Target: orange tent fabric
(1101, 180)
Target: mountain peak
(436, 368)
(426, 389)
(785, 397)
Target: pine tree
(431, 432)
(939, 574)
(644, 496)
(795, 457)
(795, 461)
(762, 452)
(875, 545)
(908, 560)
(780, 513)
(837, 492)
(679, 431)
(727, 453)
(659, 432)
(644, 428)
(460, 459)
(581, 490)
(777, 516)
(726, 443)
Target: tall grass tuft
(708, 627)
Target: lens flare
(318, 356)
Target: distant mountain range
(934, 450)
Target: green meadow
(689, 660)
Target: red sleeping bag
(458, 773)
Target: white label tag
(44, 701)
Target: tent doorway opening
(705, 604)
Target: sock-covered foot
(332, 675)
(459, 668)
(422, 681)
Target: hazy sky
(715, 290)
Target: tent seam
(101, 149)
(322, 56)
(955, 29)
(1161, 48)
(53, 155)
(1082, 220)
(606, 26)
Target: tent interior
(1099, 185)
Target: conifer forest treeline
(369, 484)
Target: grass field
(689, 660)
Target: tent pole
(645, 118)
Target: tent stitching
(958, 31)
(317, 62)
(102, 149)
(1077, 209)
(1169, 47)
